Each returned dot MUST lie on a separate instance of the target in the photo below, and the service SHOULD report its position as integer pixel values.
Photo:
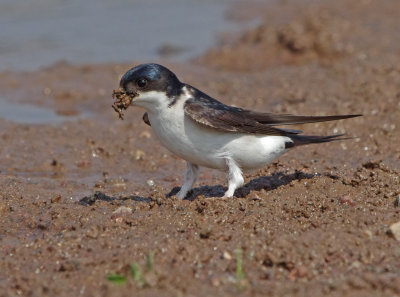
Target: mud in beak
(123, 101)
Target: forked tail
(308, 139)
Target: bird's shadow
(100, 196)
(272, 182)
(277, 179)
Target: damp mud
(122, 102)
(87, 206)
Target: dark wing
(219, 116)
(214, 114)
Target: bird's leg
(235, 178)
(191, 173)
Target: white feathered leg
(235, 178)
(189, 178)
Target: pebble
(47, 91)
(346, 200)
(150, 182)
(302, 271)
(216, 281)
(150, 279)
(145, 134)
(139, 155)
(92, 232)
(227, 255)
(355, 265)
(55, 199)
(4, 208)
(254, 197)
(120, 213)
(367, 233)
(394, 230)
(397, 201)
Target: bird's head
(150, 86)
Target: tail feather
(309, 139)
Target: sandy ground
(87, 200)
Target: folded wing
(216, 115)
(225, 118)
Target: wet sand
(85, 199)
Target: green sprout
(241, 280)
(136, 273)
(148, 278)
(150, 261)
(117, 279)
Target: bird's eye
(141, 82)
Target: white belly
(209, 147)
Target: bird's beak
(123, 101)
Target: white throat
(152, 101)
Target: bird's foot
(181, 195)
(227, 196)
(229, 193)
(223, 198)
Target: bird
(206, 132)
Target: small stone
(120, 213)
(145, 134)
(355, 265)
(4, 208)
(83, 164)
(346, 200)
(92, 232)
(302, 271)
(47, 91)
(150, 182)
(139, 155)
(150, 279)
(67, 266)
(397, 201)
(254, 197)
(205, 233)
(292, 274)
(55, 199)
(216, 281)
(394, 230)
(227, 255)
(367, 233)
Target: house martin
(206, 132)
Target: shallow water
(36, 33)
(31, 114)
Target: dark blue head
(150, 77)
